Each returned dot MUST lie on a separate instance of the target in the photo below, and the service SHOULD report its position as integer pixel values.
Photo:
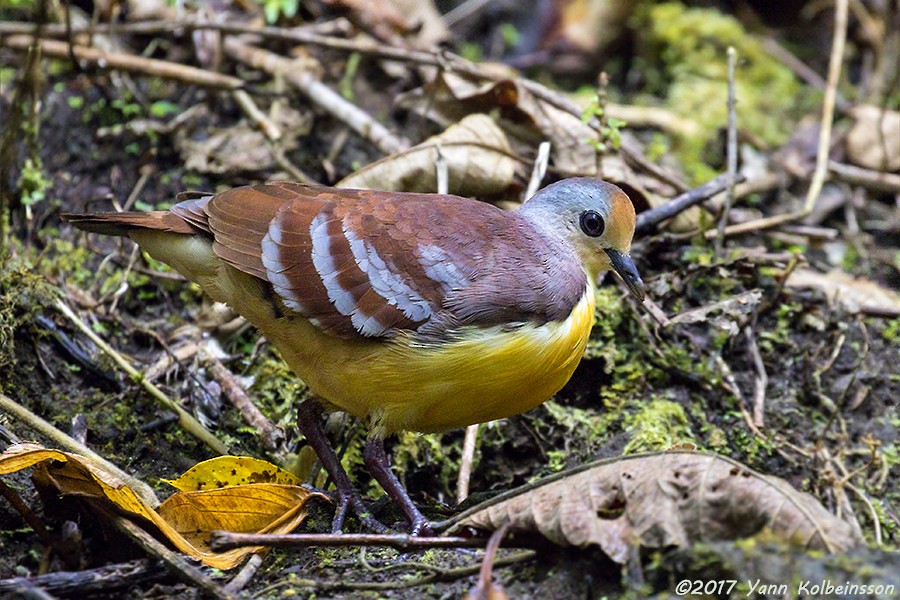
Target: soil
(832, 401)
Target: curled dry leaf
(529, 120)
(242, 148)
(855, 294)
(661, 500)
(187, 519)
(874, 140)
(450, 97)
(479, 161)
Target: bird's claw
(347, 501)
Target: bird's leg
(308, 421)
(377, 462)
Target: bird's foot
(421, 527)
(350, 501)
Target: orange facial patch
(620, 228)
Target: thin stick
(485, 587)
(760, 382)
(732, 154)
(442, 171)
(539, 170)
(269, 435)
(873, 180)
(465, 464)
(185, 419)
(240, 581)
(648, 220)
(65, 442)
(815, 187)
(226, 540)
(176, 562)
(128, 62)
(319, 93)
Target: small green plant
(609, 134)
(273, 9)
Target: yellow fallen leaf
(227, 471)
(186, 518)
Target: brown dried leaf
(242, 148)
(479, 162)
(186, 518)
(660, 500)
(874, 140)
(855, 294)
(450, 97)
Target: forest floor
(775, 346)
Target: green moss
(684, 59)
(657, 426)
(23, 296)
(277, 390)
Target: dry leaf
(450, 97)
(874, 140)
(242, 148)
(479, 162)
(855, 294)
(661, 500)
(226, 471)
(186, 518)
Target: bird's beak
(624, 266)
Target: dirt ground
(780, 350)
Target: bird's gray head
(596, 218)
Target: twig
(486, 588)
(732, 155)
(273, 135)
(821, 171)
(442, 170)
(437, 574)
(761, 380)
(463, 11)
(874, 180)
(64, 442)
(128, 62)
(539, 170)
(226, 540)
(256, 116)
(178, 564)
(465, 463)
(102, 581)
(31, 519)
(270, 436)
(319, 93)
(185, 419)
(240, 581)
(648, 220)
(800, 68)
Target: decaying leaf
(242, 148)
(855, 294)
(661, 500)
(186, 518)
(728, 314)
(227, 471)
(479, 162)
(450, 97)
(874, 140)
(528, 120)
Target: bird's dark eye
(592, 223)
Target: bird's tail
(123, 223)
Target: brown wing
(372, 264)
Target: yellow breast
(490, 374)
